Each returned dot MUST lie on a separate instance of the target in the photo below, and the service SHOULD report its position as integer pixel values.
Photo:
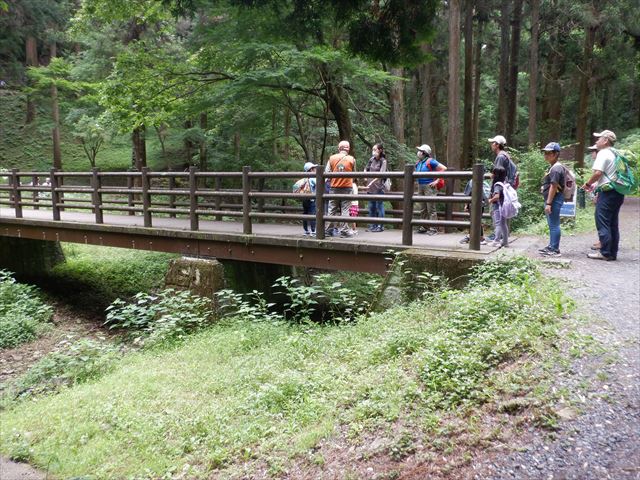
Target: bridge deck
(269, 243)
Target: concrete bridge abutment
(29, 258)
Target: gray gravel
(601, 438)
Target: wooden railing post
(407, 205)
(172, 197)
(146, 198)
(130, 196)
(35, 195)
(55, 209)
(319, 202)
(217, 200)
(475, 230)
(246, 200)
(96, 185)
(17, 194)
(193, 198)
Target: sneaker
(496, 244)
(544, 250)
(492, 237)
(422, 230)
(346, 234)
(313, 234)
(552, 253)
(306, 234)
(329, 233)
(483, 242)
(599, 256)
(465, 240)
(432, 231)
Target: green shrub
(23, 315)
(157, 318)
(70, 364)
(517, 270)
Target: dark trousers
(607, 211)
(309, 208)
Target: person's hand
(588, 187)
(547, 209)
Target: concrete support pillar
(201, 276)
(29, 258)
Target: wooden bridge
(232, 215)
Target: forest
(275, 83)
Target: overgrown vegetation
(93, 277)
(23, 314)
(244, 391)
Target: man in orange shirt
(340, 162)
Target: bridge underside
(306, 252)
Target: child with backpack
(307, 185)
(496, 200)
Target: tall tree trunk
(476, 89)
(552, 91)
(533, 70)
(337, 103)
(55, 112)
(188, 144)
(236, 147)
(583, 102)
(503, 76)
(31, 55)
(396, 97)
(467, 135)
(203, 143)
(426, 107)
(287, 133)
(512, 98)
(453, 130)
(138, 140)
(413, 111)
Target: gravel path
(599, 439)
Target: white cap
(425, 148)
(499, 139)
(308, 166)
(592, 148)
(608, 134)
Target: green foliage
(160, 318)
(23, 315)
(243, 391)
(95, 276)
(515, 270)
(70, 364)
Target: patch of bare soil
(67, 324)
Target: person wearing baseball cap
(552, 185)
(503, 159)
(609, 200)
(340, 162)
(427, 186)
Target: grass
(244, 392)
(30, 147)
(98, 275)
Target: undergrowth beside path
(249, 398)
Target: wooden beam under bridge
(304, 252)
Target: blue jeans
(553, 220)
(309, 208)
(607, 210)
(376, 208)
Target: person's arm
(588, 185)
(553, 189)
(440, 167)
(495, 198)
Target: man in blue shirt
(426, 186)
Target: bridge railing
(231, 195)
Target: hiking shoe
(422, 230)
(552, 253)
(465, 240)
(544, 250)
(600, 256)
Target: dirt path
(599, 438)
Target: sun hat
(309, 165)
(425, 148)
(499, 139)
(608, 134)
